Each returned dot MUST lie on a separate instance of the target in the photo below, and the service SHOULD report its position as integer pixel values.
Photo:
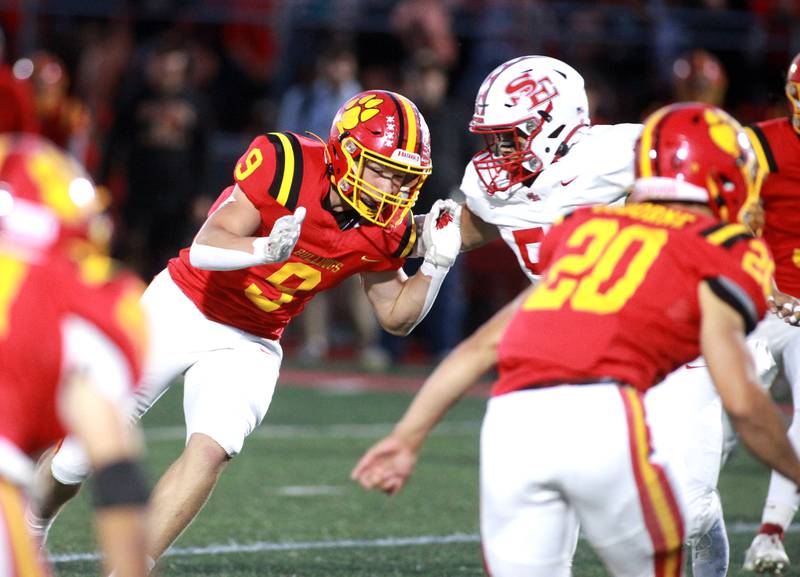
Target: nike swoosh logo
(367, 259)
(688, 366)
(566, 182)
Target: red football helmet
(695, 153)
(793, 92)
(382, 132)
(46, 197)
(526, 109)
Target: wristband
(119, 484)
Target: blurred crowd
(160, 97)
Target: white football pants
(552, 457)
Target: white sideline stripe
(289, 546)
(342, 431)
(737, 528)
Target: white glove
(790, 312)
(441, 234)
(278, 246)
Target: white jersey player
(596, 170)
(541, 159)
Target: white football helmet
(527, 109)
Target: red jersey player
(628, 294)
(301, 216)
(777, 144)
(71, 341)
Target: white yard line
(289, 546)
(259, 546)
(339, 431)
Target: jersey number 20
(578, 277)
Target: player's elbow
(396, 328)
(743, 404)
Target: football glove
(441, 234)
(278, 246)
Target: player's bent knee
(207, 450)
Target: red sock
(772, 529)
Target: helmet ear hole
(727, 185)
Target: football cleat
(766, 555)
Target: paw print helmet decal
(380, 155)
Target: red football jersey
(278, 173)
(619, 302)
(35, 299)
(778, 149)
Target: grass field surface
(286, 508)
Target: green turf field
(285, 507)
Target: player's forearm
(218, 237)
(475, 232)
(122, 538)
(119, 496)
(454, 376)
(217, 248)
(410, 304)
(208, 257)
(763, 433)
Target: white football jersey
(597, 170)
